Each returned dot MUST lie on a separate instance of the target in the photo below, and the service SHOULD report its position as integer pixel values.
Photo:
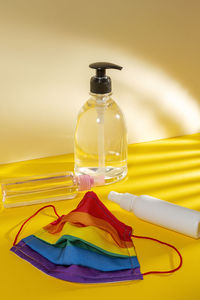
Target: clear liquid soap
(101, 135)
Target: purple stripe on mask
(73, 273)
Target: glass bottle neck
(101, 97)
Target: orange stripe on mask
(84, 219)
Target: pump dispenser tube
(100, 120)
(159, 212)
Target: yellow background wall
(45, 49)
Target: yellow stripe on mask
(91, 234)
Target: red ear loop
(174, 248)
(15, 241)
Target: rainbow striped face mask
(88, 245)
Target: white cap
(125, 200)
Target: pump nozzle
(101, 84)
(125, 200)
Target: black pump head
(101, 84)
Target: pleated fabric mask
(88, 245)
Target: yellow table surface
(167, 169)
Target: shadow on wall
(45, 81)
(155, 105)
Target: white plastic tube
(159, 212)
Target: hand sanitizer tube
(159, 212)
(46, 188)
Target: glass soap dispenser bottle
(100, 134)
